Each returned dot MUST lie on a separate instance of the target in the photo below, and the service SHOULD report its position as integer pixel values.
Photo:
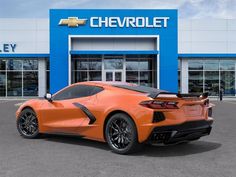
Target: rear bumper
(187, 131)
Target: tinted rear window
(153, 92)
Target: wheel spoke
(119, 140)
(32, 129)
(115, 129)
(120, 133)
(115, 133)
(122, 140)
(127, 140)
(28, 124)
(117, 126)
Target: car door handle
(91, 117)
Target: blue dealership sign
(153, 22)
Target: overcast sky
(187, 8)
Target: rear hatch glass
(152, 92)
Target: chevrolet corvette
(122, 114)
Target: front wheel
(27, 124)
(121, 134)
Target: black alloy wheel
(27, 124)
(121, 134)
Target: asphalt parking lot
(60, 156)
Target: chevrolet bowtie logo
(72, 22)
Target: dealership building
(149, 47)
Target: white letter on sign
(92, 19)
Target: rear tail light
(153, 104)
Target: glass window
(30, 64)
(227, 65)
(212, 82)
(95, 75)
(47, 64)
(2, 64)
(133, 81)
(77, 91)
(14, 83)
(13, 64)
(113, 63)
(211, 65)
(132, 64)
(195, 65)
(118, 76)
(140, 69)
(179, 83)
(146, 78)
(89, 56)
(48, 81)
(95, 64)
(81, 64)
(135, 56)
(139, 64)
(132, 76)
(79, 76)
(179, 64)
(145, 64)
(109, 76)
(86, 68)
(227, 82)
(30, 83)
(89, 67)
(195, 82)
(2, 83)
(94, 56)
(21, 75)
(218, 73)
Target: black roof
(152, 92)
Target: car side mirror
(48, 97)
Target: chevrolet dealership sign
(84, 31)
(134, 22)
(114, 22)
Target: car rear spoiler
(180, 95)
(203, 95)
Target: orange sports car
(123, 115)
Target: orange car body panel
(64, 117)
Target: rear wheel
(27, 124)
(121, 134)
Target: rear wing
(154, 93)
(203, 95)
(179, 95)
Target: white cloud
(69, 3)
(186, 8)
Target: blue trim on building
(59, 49)
(73, 52)
(208, 55)
(12, 55)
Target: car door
(67, 110)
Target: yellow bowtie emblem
(72, 22)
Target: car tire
(27, 124)
(121, 134)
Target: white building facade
(207, 55)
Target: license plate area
(193, 110)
